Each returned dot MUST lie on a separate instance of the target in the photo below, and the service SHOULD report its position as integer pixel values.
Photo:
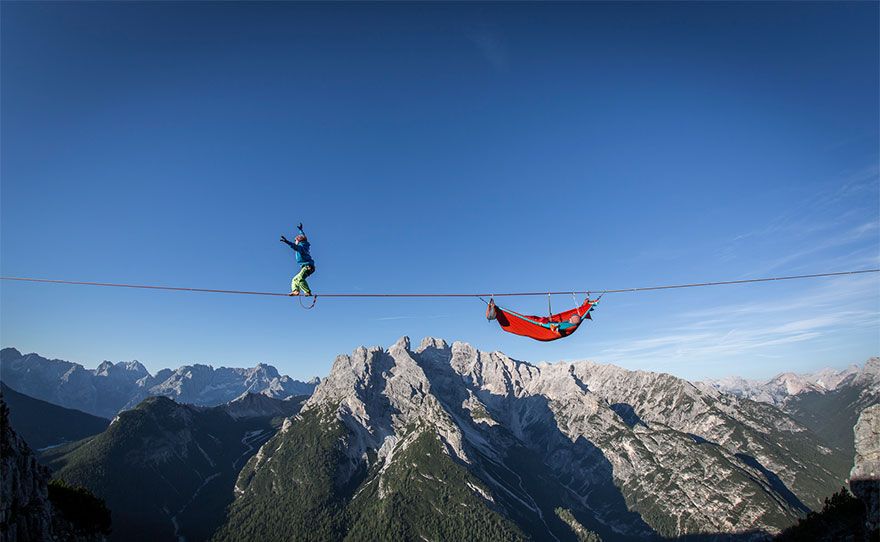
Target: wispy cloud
(830, 218)
(758, 328)
(831, 242)
(835, 292)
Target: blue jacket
(302, 252)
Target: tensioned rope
(507, 294)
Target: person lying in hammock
(300, 245)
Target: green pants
(299, 281)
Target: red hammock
(541, 328)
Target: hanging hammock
(541, 328)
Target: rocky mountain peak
(830, 379)
(263, 370)
(134, 366)
(870, 374)
(378, 392)
(104, 368)
(402, 343)
(9, 353)
(129, 370)
(432, 343)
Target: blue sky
(442, 148)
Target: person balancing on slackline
(300, 245)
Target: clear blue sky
(441, 148)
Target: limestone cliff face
(867, 439)
(865, 475)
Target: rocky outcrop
(25, 510)
(865, 475)
(27, 513)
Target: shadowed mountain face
(25, 510)
(110, 387)
(43, 424)
(434, 441)
(167, 470)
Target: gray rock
(865, 475)
(25, 510)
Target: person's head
(299, 238)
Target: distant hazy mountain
(167, 470)
(110, 387)
(452, 443)
(827, 402)
(782, 387)
(255, 405)
(43, 424)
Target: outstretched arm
(300, 228)
(286, 242)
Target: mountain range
(783, 387)
(828, 402)
(111, 388)
(446, 442)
